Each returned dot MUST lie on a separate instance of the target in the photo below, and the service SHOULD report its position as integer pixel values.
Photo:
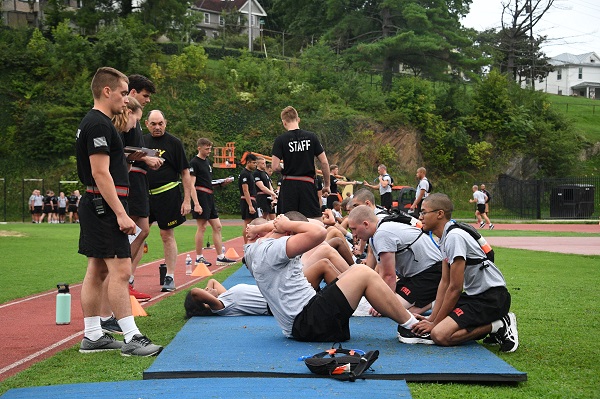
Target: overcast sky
(572, 26)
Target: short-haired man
(472, 299)
(265, 196)
(248, 206)
(384, 185)
(201, 172)
(104, 222)
(167, 207)
(479, 198)
(297, 149)
(408, 260)
(423, 189)
(141, 88)
(303, 313)
(487, 201)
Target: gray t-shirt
(394, 237)
(242, 300)
(388, 188)
(279, 279)
(478, 278)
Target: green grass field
(583, 112)
(555, 297)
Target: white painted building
(574, 75)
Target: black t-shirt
(73, 199)
(297, 149)
(202, 169)
(171, 150)
(134, 138)
(47, 200)
(334, 187)
(246, 177)
(261, 175)
(97, 134)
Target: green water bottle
(63, 304)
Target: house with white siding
(574, 75)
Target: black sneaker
(140, 345)
(509, 337)
(406, 336)
(492, 339)
(481, 225)
(492, 226)
(223, 261)
(169, 284)
(202, 259)
(102, 344)
(111, 326)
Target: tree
(519, 17)
(424, 35)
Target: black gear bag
(341, 364)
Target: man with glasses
(472, 299)
(407, 259)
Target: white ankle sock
(411, 322)
(128, 327)
(92, 329)
(496, 325)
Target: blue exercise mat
(217, 346)
(223, 388)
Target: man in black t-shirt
(297, 149)
(201, 172)
(141, 88)
(167, 207)
(104, 223)
(247, 188)
(264, 189)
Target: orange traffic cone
(231, 254)
(136, 308)
(201, 271)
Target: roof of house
(220, 5)
(586, 84)
(572, 59)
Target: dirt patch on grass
(6, 233)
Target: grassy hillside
(584, 113)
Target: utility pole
(249, 25)
(532, 42)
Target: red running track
(37, 313)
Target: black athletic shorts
(386, 200)
(62, 211)
(165, 209)
(264, 202)
(100, 236)
(481, 208)
(421, 288)
(325, 318)
(209, 209)
(72, 208)
(478, 310)
(331, 198)
(48, 209)
(37, 209)
(245, 210)
(139, 204)
(300, 196)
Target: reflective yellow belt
(164, 188)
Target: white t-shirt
(242, 300)
(479, 197)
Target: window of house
(558, 74)
(221, 20)
(580, 75)
(206, 18)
